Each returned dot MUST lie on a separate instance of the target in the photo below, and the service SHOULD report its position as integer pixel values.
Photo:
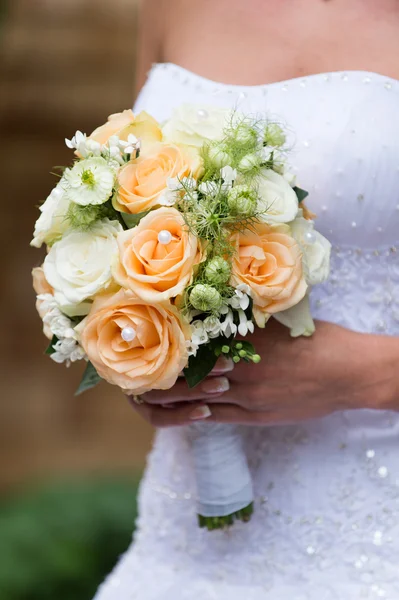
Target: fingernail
(200, 413)
(215, 385)
(224, 364)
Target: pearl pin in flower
(202, 113)
(128, 334)
(164, 237)
(310, 237)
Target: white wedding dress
(326, 522)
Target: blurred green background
(69, 466)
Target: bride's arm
(150, 38)
(297, 379)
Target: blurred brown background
(65, 65)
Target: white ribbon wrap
(224, 483)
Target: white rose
(298, 319)
(193, 124)
(315, 247)
(277, 201)
(79, 265)
(53, 221)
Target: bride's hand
(297, 379)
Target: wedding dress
(326, 522)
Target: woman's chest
(261, 41)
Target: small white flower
(68, 351)
(199, 333)
(85, 146)
(241, 297)
(208, 188)
(228, 326)
(192, 348)
(168, 198)
(245, 324)
(189, 183)
(60, 325)
(229, 175)
(89, 182)
(212, 326)
(78, 139)
(171, 195)
(133, 144)
(174, 184)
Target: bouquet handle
(224, 483)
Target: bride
(319, 416)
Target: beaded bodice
(326, 525)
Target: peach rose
(143, 180)
(41, 286)
(143, 126)
(156, 353)
(269, 261)
(152, 270)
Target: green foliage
(50, 348)
(201, 365)
(89, 380)
(300, 193)
(133, 220)
(59, 543)
(83, 217)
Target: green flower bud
(225, 349)
(218, 156)
(242, 200)
(236, 359)
(255, 358)
(245, 134)
(217, 270)
(249, 163)
(82, 217)
(274, 135)
(205, 297)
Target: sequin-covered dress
(326, 525)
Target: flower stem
(212, 523)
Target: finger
(223, 365)
(210, 388)
(184, 414)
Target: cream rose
(277, 201)
(143, 126)
(153, 270)
(41, 287)
(79, 265)
(53, 221)
(316, 250)
(142, 181)
(192, 125)
(156, 353)
(269, 261)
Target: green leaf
(89, 380)
(50, 349)
(133, 220)
(300, 193)
(201, 365)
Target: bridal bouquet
(166, 246)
